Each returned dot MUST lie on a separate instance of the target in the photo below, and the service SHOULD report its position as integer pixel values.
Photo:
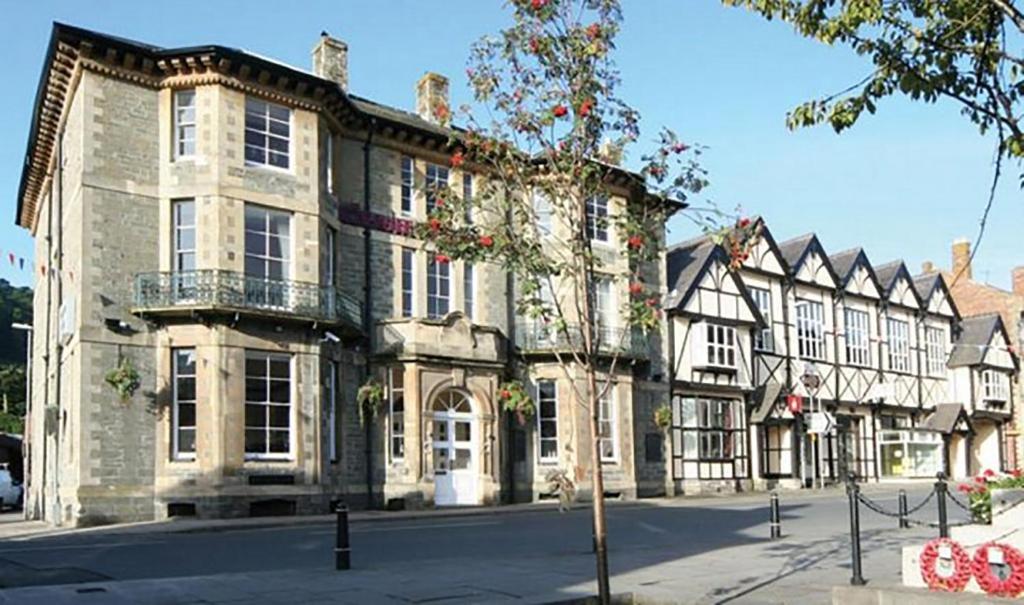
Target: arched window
(452, 401)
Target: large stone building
(238, 235)
(911, 387)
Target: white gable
(764, 258)
(939, 303)
(815, 271)
(996, 354)
(862, 284)
(718, 295)
(902, 294)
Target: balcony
(214, 290)
(534, 338)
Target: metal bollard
(904, 523)
(853, 492)
(940, 496)
(342, 551)
(774, 517)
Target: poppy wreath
(1013, 585)
(961, 566)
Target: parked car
(11, 491)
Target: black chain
(871, 504)
(963, 506)
(914, 509)
(935, 524)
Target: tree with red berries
(550, 186)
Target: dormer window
(995, 386)
(715, 346)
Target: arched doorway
(454, 439)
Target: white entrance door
(454, 445)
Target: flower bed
(979, 491)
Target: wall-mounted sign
(352, 214)
(795, 404)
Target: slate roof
(925, 284)
(843, 262)
(974, 331)
(887, 273)
(945, 417)
(792, 249)
(685, 261)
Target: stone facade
(225, 266)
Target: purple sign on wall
(354, 215)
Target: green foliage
(125, 379)
(923, 49)
(370, 398)
(515, 398)
(663, 417)
(979, 491)
(15, 307)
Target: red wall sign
(795, 404)
(354, 215)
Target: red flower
(538, 4)
(457, 159)
(989, 473)
(652, 302)
(534, 45)
(559, 110)
(743, 222)
(505, 394)
(636, 288)
(635, 242)
(657, 171)
(585, 108)
(486, 241)
(442, 258)
(964, 488)
(1015, 473)
(435, 224)
(680, 147)
(439, 202)
(979, 479)
(593, 30)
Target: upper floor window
(547, 420)
(935, 351)
(183, 413)
(408, 185)
(408, 281)
(467, 196)
(267, 133)
(438, 288)
(267, 242)
(720, 345)
(184, 237)
(268, 405)
(763, 340)
(396, 410)
(995, 386)
(899, 345)
(858, 339)
(437, 179)
(604, 311)
(468, 289)
(184, 123)
(329, 160)
(597, 218)
(542, 210)
(810, 329)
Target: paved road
(716, 549)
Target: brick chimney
(330, 60)
(927, 267)
(1018, 280)
(432, 98)
(962, 258)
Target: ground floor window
(547, 420)
(331, 401)
(184, 413)
(396, 411)
(910, 453)
(268, 405)
(708, 438)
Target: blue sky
(904, 183)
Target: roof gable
(855, 273)
(897, 284)
(977, 336)
(700, 265)
(765, 256)
(935, 297)
(808, 262)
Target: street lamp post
(811, 380)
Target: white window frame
(408, 186)
(995, 386)
(609, 422)
(407, 292)
(266, 214)
(469, 289)
(184, 127)
(935, 351)
(257, 109)
(330, 163)
(179, 228)
(597, 212)
(898, 333)
(764, 340)
(544, 213)
(436, 178)
(267, 357)
(176, 426)
(542, 420)
(332, 410)
(810, 330)
(467, 196)
(396, 418)
(858, 337)
(604, 311)
(439, 289)
(720, 346)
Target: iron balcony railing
(234, 291)
(538, 337)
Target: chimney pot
(928, 267)
(1018, 280)
(432, 98)
(962, 258)
(330, 60)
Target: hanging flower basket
(370, 398)
(515, 399)
(125, 379)
(663, 417)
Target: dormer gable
(983, 341)
(702, 285)
(765, 256)
(855, 273)
(808, 262)
(897, 285)
(934, 295)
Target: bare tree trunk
(600, 529)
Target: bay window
(396, 411)
(547, 421)
(995, 386)
(438, 288)
(268, 405)
(183, 413)
(267, 134)
(184, 124)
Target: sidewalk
(27, 530)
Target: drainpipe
(44, 478)
(367, 306)
(60, 300)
